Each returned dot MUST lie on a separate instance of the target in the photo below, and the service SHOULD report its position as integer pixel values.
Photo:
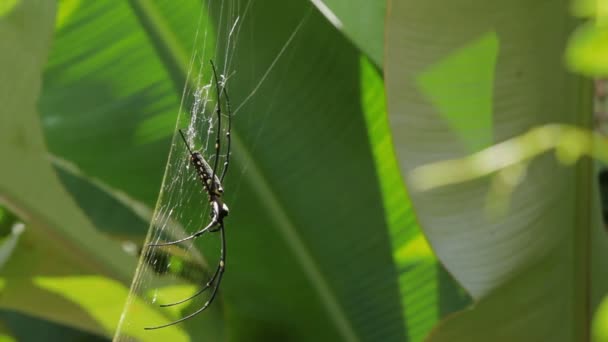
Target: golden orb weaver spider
(212, 185)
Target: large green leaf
(29, 180)
(529, 253)
(427, 291)
(307, 235)
(59, 242)
(278, 227)
(316, 233)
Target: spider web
(172, 273)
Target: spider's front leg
(214, 222)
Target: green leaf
(22, 327)
(52, 212)
(361, 21)
(427, 291)
(308, 237)
(588, 50)
(8, 244)
(7, 6)
(6, 336)
(271, 229)
(60, 241)
(531, 269)
(600, 328)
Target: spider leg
(227, 162)
(201, 290)
(218, 110)
(214, 222)
(218, 269)
(220, 273)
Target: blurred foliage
(360, 21)
(569, 144)
(600, 328)
(108, 109)
(322, 237)
(516, 227)
(587, 51)
(28, 328)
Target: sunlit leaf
(588, 50)
(531, 268)
(59, 238)
(361, 21)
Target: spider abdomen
(205, 172)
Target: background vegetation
(323, 241)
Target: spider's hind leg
(209, 227)
(218, 111)
(210, 283)
(215, 280)
(228, 139)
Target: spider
(212, 185)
